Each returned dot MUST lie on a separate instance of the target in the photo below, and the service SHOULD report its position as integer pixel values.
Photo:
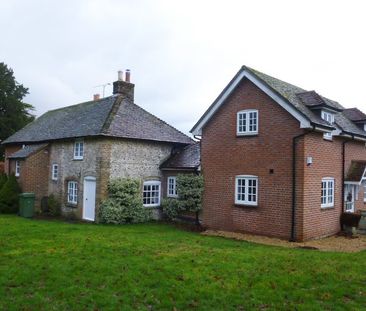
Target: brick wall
(224, 155)
(33, 174)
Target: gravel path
(331, 244)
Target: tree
(9, 196)
(14, 113)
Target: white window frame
(72, 192)
(17, 168)
(151, 183)
(79, 149)
(364, 192)
(172, 191)
(54, 171)
(327, 199)
(328, 117)
(248, 190)
(244, 129)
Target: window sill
(246, 134)
(328, 139)
(78, 159)
(245, 205)
(326, 207)
(151, 206)
(72, 205)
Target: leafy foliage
(124, 204)
(171, 207)
(9, 200)
(54, 205)
(14, 114)
(190, 189)
(3, 179)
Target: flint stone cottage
(279, 160)
(74, 151)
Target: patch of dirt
(337, 243)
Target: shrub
(124, 204)
(350, 219)
(3, 179)
(189, 189)
(171, 208)
(54, 205)
(9, 200)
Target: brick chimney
(124, 87)
(96, 97)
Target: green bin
(26, 204)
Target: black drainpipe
(293, 212)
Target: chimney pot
(96, 97)
(120, 75)
(128, 75)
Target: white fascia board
(304, 122)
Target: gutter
(293, 210)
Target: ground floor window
(151, 193)
(327, 193)
(246, 190)
(172, 187)
(72, 192)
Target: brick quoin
(224, 155)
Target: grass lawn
(51, 265)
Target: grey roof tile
(290, 93)
(27, 151)
(187, 158)
(354, 114)
(110, 116)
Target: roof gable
(287, 96)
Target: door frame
(353, 189)
(87, 179)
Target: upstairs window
(246, 190)
(172, 187)
(72, 192)
(54, 171)
(79, 150)
(247, 122)
(327, 193)
(151, 193)
(17, 168)
(329, 117)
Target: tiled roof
(110, 116)
(355, 172)
(27, 151)
(354, 114)
(186, 158)
(291, 94)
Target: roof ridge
(79, 104)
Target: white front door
(349, 197)
(89, 198)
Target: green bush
(54, 205)
(124, 204)
(189, 189)
(171, 208)
(9, 196)
(3, 179)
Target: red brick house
(279, 160)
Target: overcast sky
(181, 53)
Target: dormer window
(329, 117)
(247, 122)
